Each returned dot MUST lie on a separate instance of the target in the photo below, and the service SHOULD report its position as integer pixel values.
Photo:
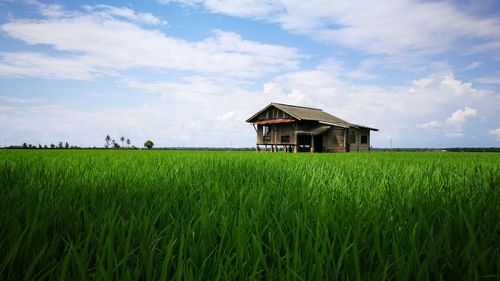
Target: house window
(352, 138)
(265, 130)
(364, 139)
(285, 139)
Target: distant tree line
(126, 143)
(110, 143)
(473, 149)
(60, 145)
(209, 148)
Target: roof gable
(271, 112)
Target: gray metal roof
(312, 114)
(308, 113)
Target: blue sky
(189, 72)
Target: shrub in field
(149, 144)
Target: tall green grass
(180, 215)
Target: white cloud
(403, 26)
(472, 66)
(429, 125)
(269, 88)
(23, 64)
(444, 88)
(495, 132)
(453, 126)
(454, 134)
(101, 11)
(16, 100)
(104, 40)
(111, 12)
(460, 116)
(262, 9)
(489, 46)
(227, 116)
(360, 74)
(197, 89)
(493, 80)
(298, 97)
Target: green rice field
(201, 215)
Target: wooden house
(298, 128)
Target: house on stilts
(301, 129)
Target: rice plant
(194, 215)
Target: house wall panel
(333, 140)
(358, 146)
(276, 131)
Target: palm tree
(128, 143)
(115, 144)
(122, 139)
(108, 141)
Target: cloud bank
(105, 40)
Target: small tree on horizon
(115, 144)
(122, 139)
(108, 141)
(128, 143)
(149, 144)
(66, 145)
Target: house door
(304, 143)
(318, 143)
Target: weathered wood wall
(357, 145)
(273, 113)
(276, 131)
(333, 140)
